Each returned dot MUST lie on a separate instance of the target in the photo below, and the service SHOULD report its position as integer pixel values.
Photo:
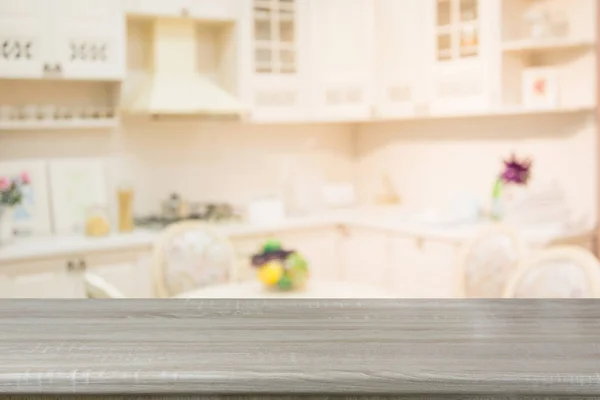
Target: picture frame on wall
(540, 88)
(76, 185)
(32, 216)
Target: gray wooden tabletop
(315, 347)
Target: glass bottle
(125, 201)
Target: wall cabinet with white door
(278, 49)
(342, 59)
(465, 57)
(62, 276)
(68, 39)
(200, 9)
(403, 40)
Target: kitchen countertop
(393, 220)
(314, 347)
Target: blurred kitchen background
(404, 148)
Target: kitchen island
(461, 349)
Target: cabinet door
(89, 39)
(406, 277)
(49, 285)
(465, 55)
(44, 278)
(342, 46)
(438, 269)
(365, 257)
(23, 38)
(403, 42)
(279, 63)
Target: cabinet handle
(374, 112)
(46, 67)
(58, 68)
(82, 265)
(344, 231)
(70, 266)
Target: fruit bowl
(280, 269)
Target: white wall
(216, 161)
(428, 161)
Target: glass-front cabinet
(464, 54)
(279, 60)
(457, 29)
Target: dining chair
(556, 272)
(97, 287)
(485, 263)
(191, 255)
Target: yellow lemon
(270, 273)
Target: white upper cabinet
(23, 38)
(342, 54)
(68, 39)
(89, 39)
(215, 10)
(465, 55)
(404, 41)
(200, 9)
(166, 8)
(277, 85)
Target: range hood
(176, 86)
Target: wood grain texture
(314, 347)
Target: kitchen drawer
(34, 266)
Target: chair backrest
(191, 255)
(485, 263)
(97, 287)
(556, 272)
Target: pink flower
(4, 183)
(25, 178)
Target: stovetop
(209, 212)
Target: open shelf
(529, 45)
(57, 104)
(66, 124)
(548, 51)
(502, 112)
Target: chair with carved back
(556, 272)
(190, 255)
(486, 262)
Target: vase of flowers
(11, 195)
(510, 184)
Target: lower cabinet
(421, 268)
(365, 256)
(405, 266)
(62, 277)
(44, 278)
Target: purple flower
(516, 171)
